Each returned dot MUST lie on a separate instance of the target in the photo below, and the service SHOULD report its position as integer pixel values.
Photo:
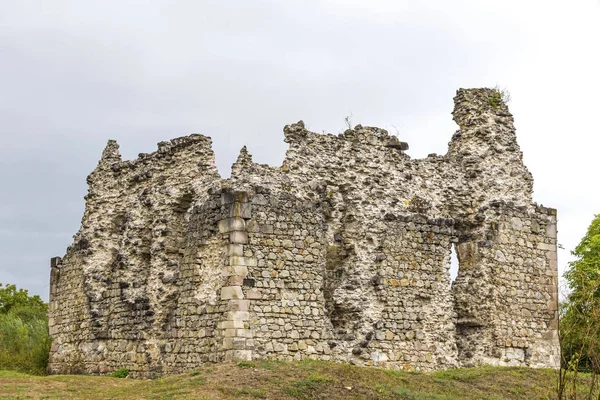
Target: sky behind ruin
(74, 74)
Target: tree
(11, 297)
(24, 339)
(580, 313)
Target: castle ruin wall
(342, 253)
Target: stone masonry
(342, 253)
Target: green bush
(24, 339)
(120, 373)
(24, 344)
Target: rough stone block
(266, 228)
(252, 226)
(54, 261)
(259, 199)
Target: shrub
(24, 339)
(499, 96)
(120, 373)
(24, 343)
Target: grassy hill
(292, 380)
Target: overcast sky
(75, 73)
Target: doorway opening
(453, 264)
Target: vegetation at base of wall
(302, 380)
(580, 317)
(120, 373)
(24, 339)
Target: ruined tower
(342, 253)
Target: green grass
(292, 380)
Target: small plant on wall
(499, 96)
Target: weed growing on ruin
(120, 373)
(348, 121)
(499, 96)
(246, 365)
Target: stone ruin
(342, 253)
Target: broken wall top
(365, 165)
(484, 163)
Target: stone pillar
(551, 256)
(237, 335)
(54, 272)
(547, 352)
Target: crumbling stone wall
(341, 253)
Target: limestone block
(241, 210)
(231, 324)
(227, 343)
(231, 225)
(235, 280)
(231, 292)
(551, 230)
(238, 315)
(238, 237)
(237, 260)
(238, 305)
(240, 270)
(239, 343)
(546, 246)
(235, 250)
(238, 355)
(266, 228)
(228, 198)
